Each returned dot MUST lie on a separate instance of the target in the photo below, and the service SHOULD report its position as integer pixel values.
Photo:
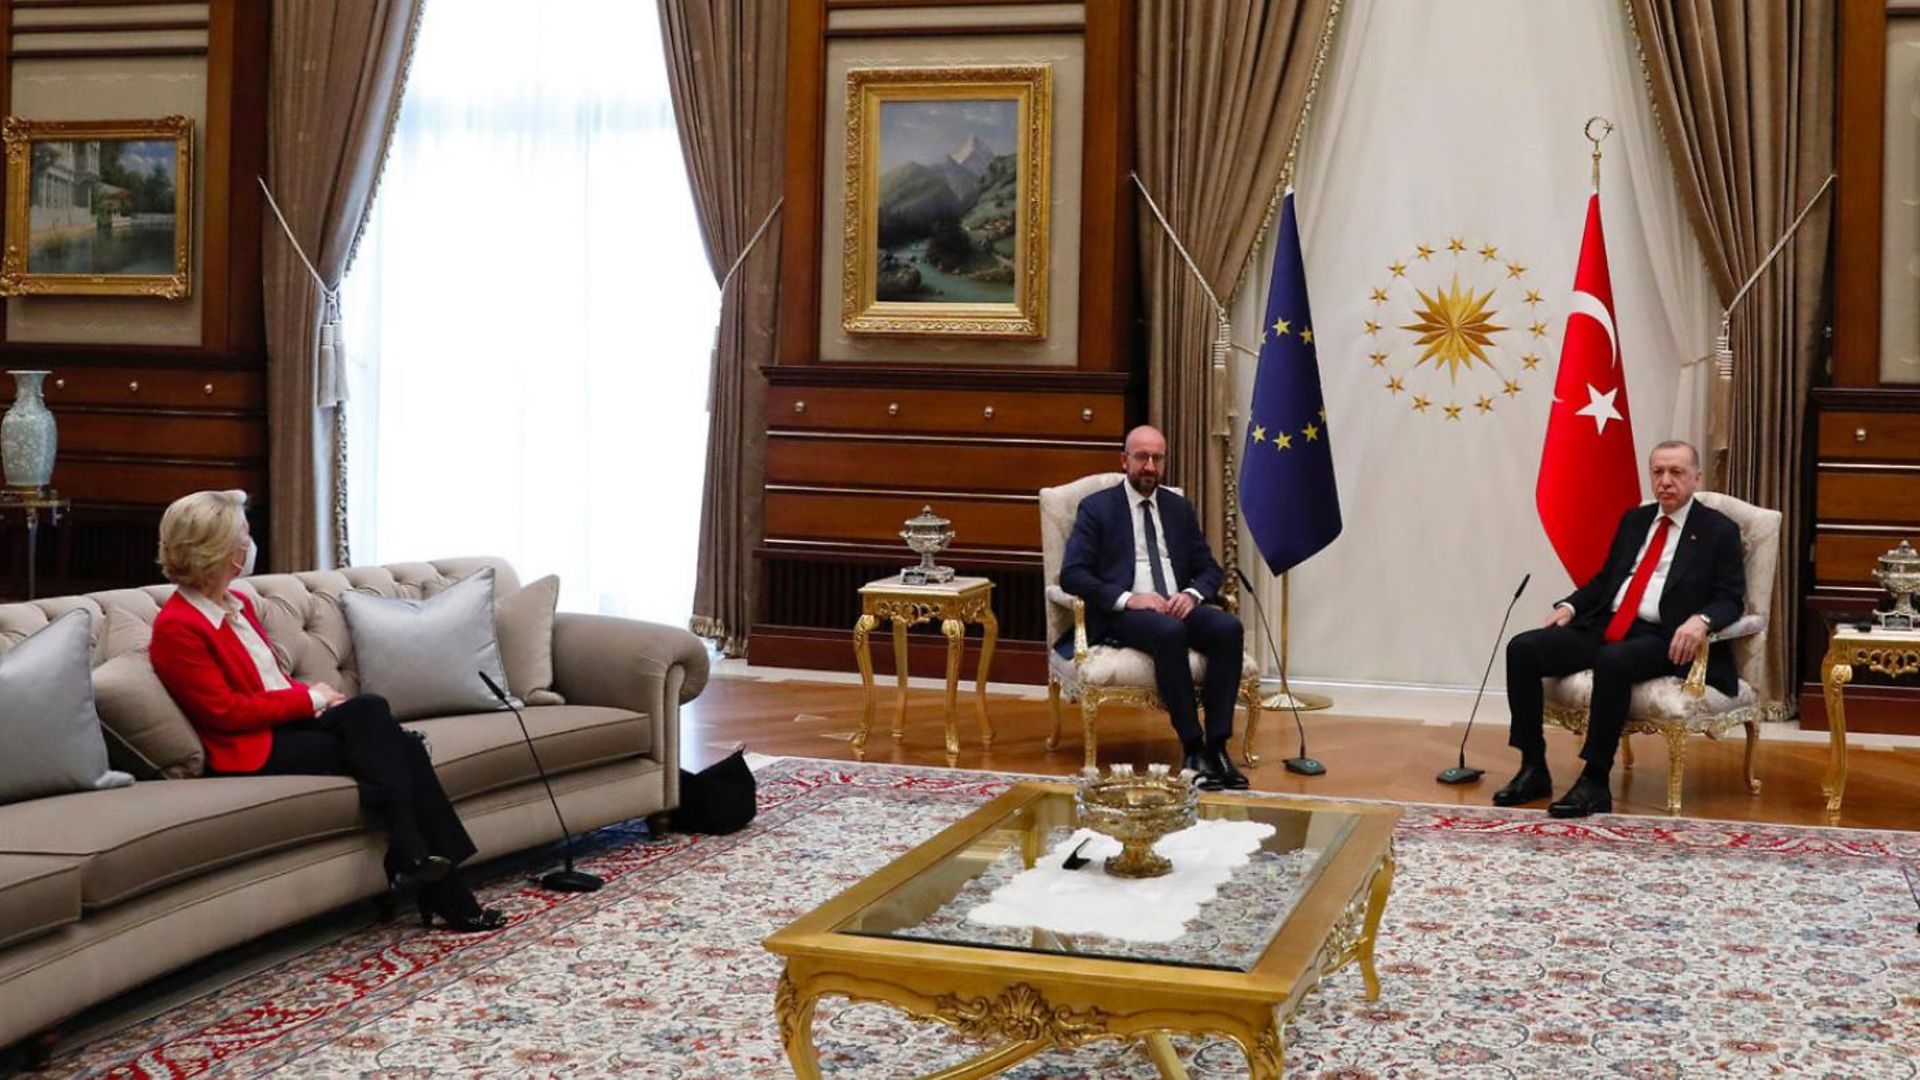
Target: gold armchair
(1101, 674)
(1675, 708)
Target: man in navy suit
(1674, 573)
(1139, 560)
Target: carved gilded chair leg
(1250, 695)
(1676, 767)
(1626, 751)
(1053, 700)
(1753, 745)
(1089, 712)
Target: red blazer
(213, 678)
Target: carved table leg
(1370, 929)
(900, 669)
(795, 1014)
(990, 627)
(864, 656)
(1165, 1057)
(1836, 671)
(956, 632)
(1266, 1058)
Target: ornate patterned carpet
(1514, 946)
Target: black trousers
(359, 738)
(1212, 633)
(1553, 651)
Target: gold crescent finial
(1606, 129)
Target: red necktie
(1637, 588)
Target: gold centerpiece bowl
(1136, 809)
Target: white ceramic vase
(28, 437)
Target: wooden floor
(1365, 757)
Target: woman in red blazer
(213, 655)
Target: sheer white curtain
(531, 312)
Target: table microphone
(1459, 773)
(568, 879)
(1301, 763)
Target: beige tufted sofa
(101, 891)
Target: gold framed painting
(98, 207)
(947, 188)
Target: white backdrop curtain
(1437, 121)
(531, 311)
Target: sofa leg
(659, 824)
(36, 1051)
(386, 906)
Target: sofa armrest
(625, 663)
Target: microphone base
(570, 881)
(1305, 766)
(1460, 774)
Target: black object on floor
(717, 800)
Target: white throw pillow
(47, 721)
(524, 621)
(424, 656)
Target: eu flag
(1286, 473)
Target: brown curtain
(338, 67)
(1222, 87)
(1744, 90)
(727, 65)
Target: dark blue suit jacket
(1098, 566)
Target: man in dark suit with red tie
(1674, 573)
(1138, 558)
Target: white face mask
(253, 553)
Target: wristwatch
(1703, 617)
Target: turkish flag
(1588, 473)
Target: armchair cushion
(1656, 699)
(1114, 665)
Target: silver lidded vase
(1898, 571)
(28, 437)
(927, 535)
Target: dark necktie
(1153, 548)
(1637, 588)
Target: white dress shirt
(263, 659)
(1650, 600)
(1142, 566)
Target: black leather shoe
(1530, 783)
(1231, 778)
(1586, 796)
(1206, 770)
(421, 872)
(456, 907)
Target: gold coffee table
(1306, 905)
(952, 605)
(1889, 652)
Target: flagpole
(1287, 698)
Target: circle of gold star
(1456, 327)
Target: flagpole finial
(1606, 129)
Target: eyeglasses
(1143, 457)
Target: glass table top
(1231, 931)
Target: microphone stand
(567, 879)
(1459, 773)
(1299, 763)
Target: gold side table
(1889, 652)
(952, 605)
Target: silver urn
(1898, 572)
(927, 535)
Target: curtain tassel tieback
(1723, 342)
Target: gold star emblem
(1379, 359)
(1394, 384)
(1420, 403)
(1263, 337)
(1259, 434)
(1312, 433)
(1531, 361)
(1379, 296)
(1489, 252)
(1306, 335)
(1453, 411)
(1456, 245)
(1372, 327)
(1323, 415)
(1533, 296)
(1422, 252)
(1511, 388)
(1455, 327)
(1282, 441)
(1485, 404)
(1539, 329)
(1282, 327)
(1514, 270)
(1397, 269)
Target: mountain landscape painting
(948, 201)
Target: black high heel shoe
(420, 873)
(459, 910)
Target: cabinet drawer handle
(207, 389)
(1859, 434)
(799, 406)
(133, 387)
(59, 384)
(893, 408)
(1086, 416)
(987, 413)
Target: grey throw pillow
(524, 621)
(424, 656)
(47, 721)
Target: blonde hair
(198, 534)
